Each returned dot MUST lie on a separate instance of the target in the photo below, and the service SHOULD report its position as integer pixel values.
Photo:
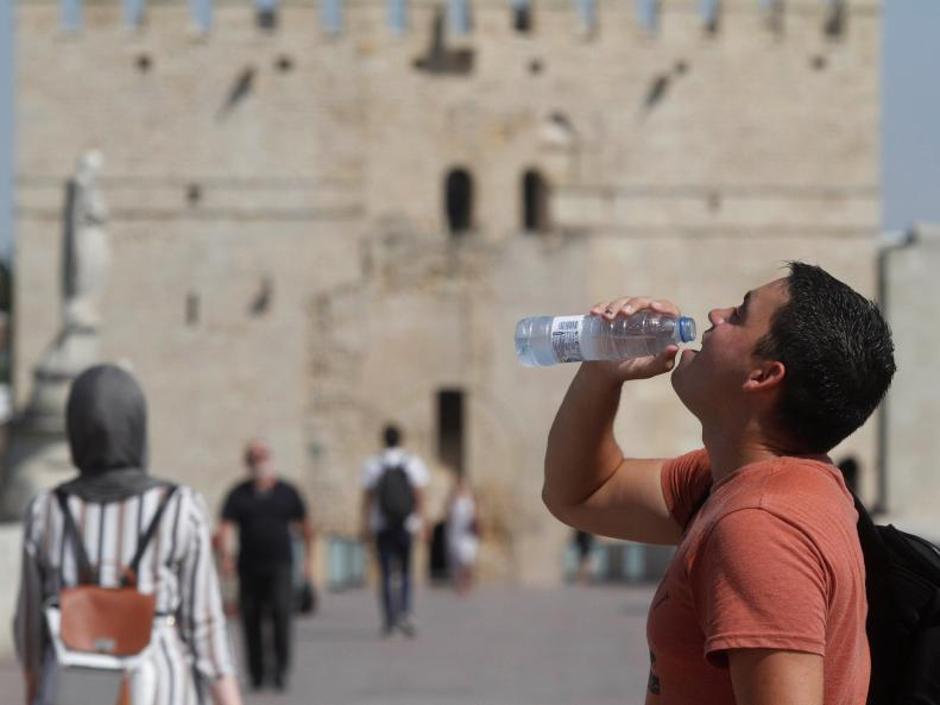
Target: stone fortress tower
(324, 216)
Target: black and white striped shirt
(177, 568)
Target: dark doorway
(450, 428)
(535, 194)
(458, 195)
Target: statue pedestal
(36, 461)
(39, 456)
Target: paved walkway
(570, 646)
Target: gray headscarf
(106, 418)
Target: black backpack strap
(876, 553)
(130, 574)
(86, 574)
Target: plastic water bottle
(547, 340)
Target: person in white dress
(463, 534)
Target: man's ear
(765, 376)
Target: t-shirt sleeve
(685, 480)
(759, 582)
(418, 472)
(298, 506)
(230, 508)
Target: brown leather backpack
(95, 621)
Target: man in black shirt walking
(266, 510)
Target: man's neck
(264, 483)
(726, 459)
(727, 452)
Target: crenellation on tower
(643, 20)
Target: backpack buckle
(105, 645)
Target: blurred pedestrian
(112, 497)
(267, 511)
(584, 545)
(849, 468)
(463, 533)
(392, 515)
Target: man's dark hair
(392, 436)
(838, 354)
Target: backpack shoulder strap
(873, 545)
(86, 574)
(130, 575)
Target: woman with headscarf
(111, 500)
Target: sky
(6, 126)
(910, 165)
(910, 115)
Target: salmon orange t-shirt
(771, 561)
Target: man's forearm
(582, 453)
(227, 547)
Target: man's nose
(717, 315)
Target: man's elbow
(557, 508)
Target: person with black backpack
(392, 515)
(776, 570)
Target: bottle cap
(686, 329)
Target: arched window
(535, 192)
(458, 200)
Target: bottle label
(566, 338)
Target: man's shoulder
(392, 458)
(371, 470)
(239, 489)
(288, 487)
(785, 477)
(805, 481)
(807, 495)
(416, 469)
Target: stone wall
(282, 264)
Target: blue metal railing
(621, 562)
(346, 563)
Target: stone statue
(39, 455)
(87, 256)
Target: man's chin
(684, 360)
(678, 373)
(680, 385)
